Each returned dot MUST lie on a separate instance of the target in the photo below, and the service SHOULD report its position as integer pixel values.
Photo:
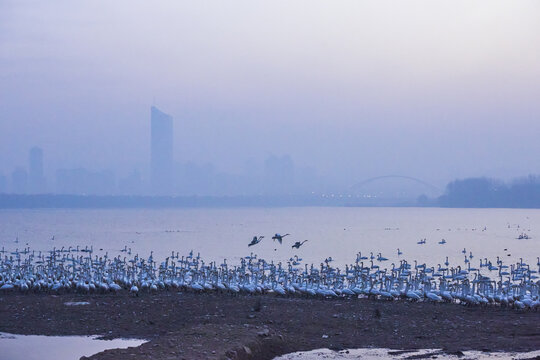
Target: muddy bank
(213, 326)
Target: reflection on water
(379, 354)
(38, 347)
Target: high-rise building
(36, 179)
(161, 161)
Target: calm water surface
(332, 232)
(37, 347)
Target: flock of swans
(77, 269)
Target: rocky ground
(214, 326)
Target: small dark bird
(298, 244)
(279, 237)
(255, 240)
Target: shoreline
(186, 325)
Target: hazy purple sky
(431, 89)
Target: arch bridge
(434, 189)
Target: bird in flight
(279, 237)
(298, 244)
(255, 240)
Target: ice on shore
(76, 303)
(378, 354)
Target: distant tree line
(491, 193)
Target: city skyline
(162, 175)
(165, 176)
(411, 93)
(275, 175)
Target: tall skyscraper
(161, 162)
(36, 179)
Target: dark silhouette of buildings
(131, 184)
(194, 179)
(161, 162)
(279, 175)
(36, 179)
(85, 182)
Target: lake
(337, 232)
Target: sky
(435, 90)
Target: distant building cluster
(29, 180)
(277, 175)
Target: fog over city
(267, 97)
